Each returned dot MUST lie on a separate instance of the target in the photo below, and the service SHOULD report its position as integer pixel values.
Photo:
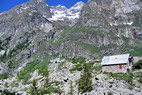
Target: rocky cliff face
(108, 18)
(21, 29)
(32, 37)
(123, 14)
(42, 7)
(24, 18)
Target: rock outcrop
(31, 37)
(21, 30)
(124, 15)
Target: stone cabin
(116, 63)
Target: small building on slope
(117, 63)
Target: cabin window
(120, 66)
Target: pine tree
(85, 82)
(34, 90)
(71, 88)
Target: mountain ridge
(70, 14)
(38, 52)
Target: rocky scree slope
(29, 40)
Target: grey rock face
(3, 68)
(21, 31)
(42, 7)
(112, 21)
(118, 12)
(26, 35)
(23, 18)
(112, 12)
(98, 25)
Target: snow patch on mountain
(61, 12)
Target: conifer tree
(85, 82)
(71, 88)
(34, 90)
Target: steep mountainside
(41, 46)
(21, 30)
(103, 29)
(120, 13)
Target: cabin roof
(115, 59)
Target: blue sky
(8, 4)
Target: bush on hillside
(138, 65)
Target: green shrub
(3, 57)
(13, 64)
(78, 60)
(13, 52)
(77, 67)
(52, 89)
(78, 64)
(6, 92)
(1, 46)
(4, 76)
(121, 76)
(30, 67)
(138, 65)
(71, 89)
(34, 89)
(97, 68)
(19, 47)
(61, 65)
(140, 80)
(47, 88)
(109, 93)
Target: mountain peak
(61, 12)
(42, 7)
(38, 1)
(78, 5)
(61, 7)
